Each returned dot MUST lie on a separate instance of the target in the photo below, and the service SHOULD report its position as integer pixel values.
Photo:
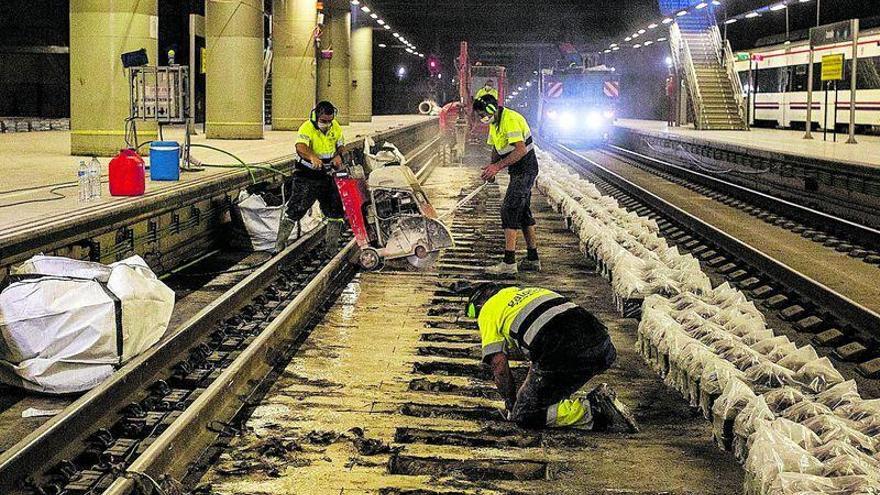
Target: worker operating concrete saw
(567, 346)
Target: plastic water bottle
(95, 179)
(82, 176)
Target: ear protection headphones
(487, 103)
(325, 107)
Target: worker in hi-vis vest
(487, 89)
(566, 345)
(319, 149)
(512, 149)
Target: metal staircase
(705, 62)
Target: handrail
(735, 82)
(683, 55)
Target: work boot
(502, 269)
(527, 265)
(609, 414)
(331, 238)
(285, 228)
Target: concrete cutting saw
(391, 217)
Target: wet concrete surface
(372, 405)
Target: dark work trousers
(516, 211)
(308, 187)
(561, 371)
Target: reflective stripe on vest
(542, 320)
(529, 308)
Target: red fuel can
(127, 174)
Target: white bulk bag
(65, 334)
(261, 221)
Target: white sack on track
(63, 334)
(261, 221)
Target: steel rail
(859, 317)
(840, 226)
(98, 408)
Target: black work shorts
(516, 212)
(307, 188)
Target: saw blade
(423, 263)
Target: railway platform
(40, 210)
(838, 178)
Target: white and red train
(779, 85)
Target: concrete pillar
(362, 74)
(100, 32)
(293, 65)
(234, 90)
(334, 75)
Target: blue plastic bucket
(164, 160)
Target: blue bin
(164, 160)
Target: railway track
(390, 397)
(156, 416)
(836, 320)
(838, 234)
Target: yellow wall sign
(832, 67)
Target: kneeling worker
(319, 149)
(567, 346)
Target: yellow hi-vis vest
(323, 144)
(509, 318)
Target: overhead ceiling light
(649, 43)
(612, 45)
(753, 14)
(731, 21)
(653, 25)
(421, 55)
(365, 9)
(396, 35)
(641, 31)
(661, 40)
(381, 22)
(628, 39)
(682, 13)
(355, 2)
(667, 20)
(716, 2)
(409, 50)
(635, 35)
(702, 5)
(529, 83)
(637, 45)
(607, 51)
(383, 45)
(387, 27)
(374, 16)
(615, 49)
(778, 6)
